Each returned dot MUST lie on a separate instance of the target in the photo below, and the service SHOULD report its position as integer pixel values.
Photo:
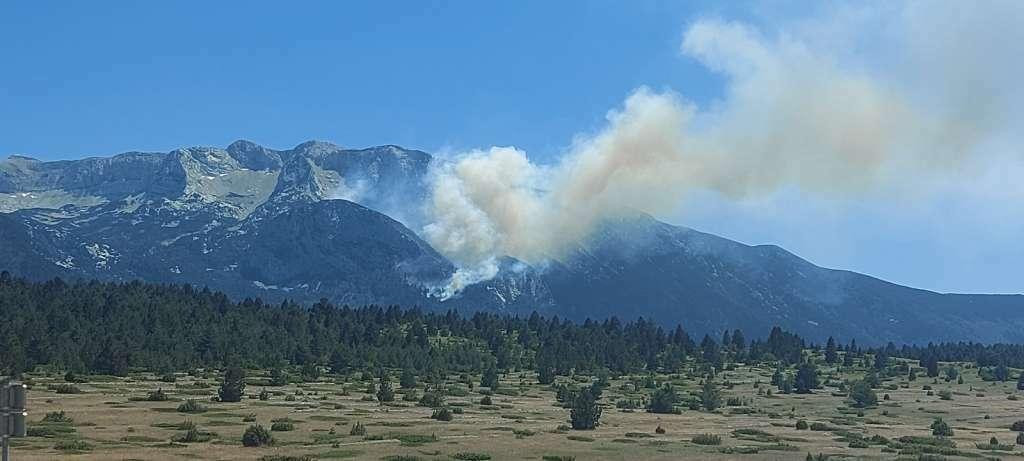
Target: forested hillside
(110, 327)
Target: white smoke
(799, 109)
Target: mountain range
(322, 221)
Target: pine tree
(384, 391)
(233, 386)
(831, 356)
(710, 397)
(490, 377)
(806, 378)
(585, 413)
(408, 379)
(663, 400)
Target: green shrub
(193, 435)
(257, 436)
(156, 396)
(1017, 426)
(431, 399)
(57, 417)
(357, 429)
(73, 445)
(801, 425)
(470, 456)
(442, 414)
(191, 406)
(707, 439)
(66, 389)
(282, 426)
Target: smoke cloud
(801, 108)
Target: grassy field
(110, 419)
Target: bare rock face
(322, 221)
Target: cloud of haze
(847, 102)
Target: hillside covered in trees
(105, 327)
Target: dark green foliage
(257, 436)
(489, 379)
(1017, 426)
(806, 378)
(156, 396)
(278, 377)
(707, 439)
(432, 399)
(57, 417)
(941, 429)
(469, 456)
(585, 413)
(663, 400)
(862, 395)
(486, 400)
(384, 391)
(1020, 438)
(282, 426)
(357, 429)
(442, 414)
(1020, 382)
(710, 397)
(801, 425)
(408, 379)
(831, 356)
(232, 388)
(66, 389)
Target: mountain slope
(316, 222)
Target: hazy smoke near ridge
(800, 108)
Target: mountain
(321, 221)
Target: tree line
(112, 327)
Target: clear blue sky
(97, 78)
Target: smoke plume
(801, 108)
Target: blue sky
(97, 78)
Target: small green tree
(233, 387)
(384, 391)
(1020, 382)
(278, 377)
(831, 356)
(941, 429)
(710, 397)
(862, 394)
(545, 374)
(408, 379)
(257, 436)
(490, 377)
(806, 378)
(663, 400)
(585, 413)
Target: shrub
(251, 417)
(470, 456)
(1020, 438)
(862, 395)
(408, 379)
(156, 396)
(486, 400)
(941, 429)
(431, 399)
(66, 389)
(193, 435)
(257, 436)
(441, 414)
(57, 417)
(945, 395)
(168, 378)
(72, 445)
(357, 429)
(663, 400)
(801, 425)
(1017, 426)
(707, 439)
(191, 406)
(659, 430)
(282, 426)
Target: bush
(431, 399)
(193, 435)
(659, 430)
(470, 456)
(168, 378)
(441, 414)
(663, 400)
(1020, 438)
(1017, 426)
(257, 436)
(707, 439)
(801, 425)
(66, 389)
(941, 429)
(282, 426)
(156, 396)
(408, 379)
(862, 395)
(357, 429)
(72, 445)
(486, 400)
(57, 417)
(191, 406)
